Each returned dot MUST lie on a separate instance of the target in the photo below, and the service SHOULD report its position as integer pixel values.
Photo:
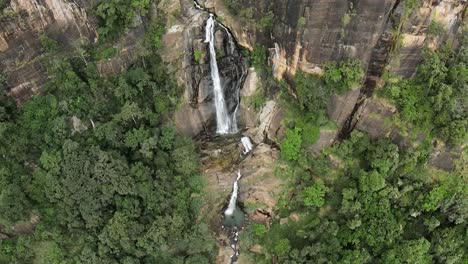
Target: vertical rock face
(197, 112)
(65, 21)
(415, 36)
(312, 32)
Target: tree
(291, 144)
(314, 195)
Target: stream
(226, 123)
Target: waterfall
(223, 120)
(247, 144)
(198, 6)
(233, 200)
(276, 57)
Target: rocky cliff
(385, 35)
(22, 24)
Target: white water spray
(233, 200)
(224, 121)
(247, 144)
(198, 6)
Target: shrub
(197, 55)
(4, 4)
(282, 247)
(291, 144)
(107, 53)
(268, 21)
(48, 44)
(259, 230)
(301, 22)
(258, 58)
(435, 29)
(344, 76)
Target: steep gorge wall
(312, 32)
(22, 23)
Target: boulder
(271, 117)
(256, 249)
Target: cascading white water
(233, 200)
(223, 120)
(276, 57)
(247, 144)
(198, 6)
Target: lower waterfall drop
(232, 202)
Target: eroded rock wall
(312, 32)
(21, 25)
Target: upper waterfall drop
(226, 117)
(224, 124)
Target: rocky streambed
(222, 159)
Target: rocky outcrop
(375, 119)
(307, 33)
(259, 187)
(414, 35)
(269, 123)
(20, 50)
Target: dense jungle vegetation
(98, 160)
(370, 201)
(95, 167)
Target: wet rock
(191, 121)
(224, 255)
(248, 118)
(196, 71)
(258, 188)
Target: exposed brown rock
(341, 106)
(375, 118)
(20, 50)
(327, 138)
(256, 248)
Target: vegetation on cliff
(368, 200)
(435, 101)
(99, 162)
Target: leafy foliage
(435, 28)
(101, 165)
(436, 99)
(118, 15)
(379, 208)
(344, 76)
(314, 195)
(291, 144)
